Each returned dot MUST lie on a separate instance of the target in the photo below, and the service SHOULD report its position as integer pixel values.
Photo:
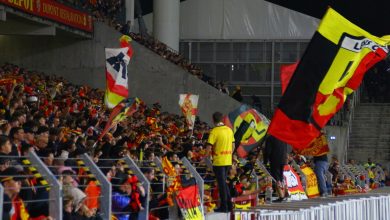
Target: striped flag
(121, 111)
(332, 67)
(117, 60)
(189, 106)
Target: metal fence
(359, 207)
(143, 214)
(106, 189)
(1, 199)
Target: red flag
(286, 72)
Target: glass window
(267, 51)
(238, 72)
(259, 71)
(184, 49)
(239, 52)
(223, 52)
(206, 52)
(208, 69)
(289, 52)
(194, 52)
(256, 52)
(223, 72)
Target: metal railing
(356, 96)
(55, 193)
(106, 189)
(359, 207)
(198, 178)
(143, 214)
(1, 199)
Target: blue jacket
(121, 203)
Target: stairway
(370, 134)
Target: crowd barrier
(374, 207)
(106, 189)
(368, 205)
(1, 199)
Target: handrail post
(143, 214)
(1, 199)
(106, 189)
(198, 178)
(55, 193)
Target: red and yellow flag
(189, 106)
(116, 72)
(332, 67)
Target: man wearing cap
(16, 209)
(221, 140)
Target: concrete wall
(337, 141)
(151, 77)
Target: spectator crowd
(60, 121)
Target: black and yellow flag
(332, 67)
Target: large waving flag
(124, 109)
(286, 72)
(189, 106)
(249, 128)
(332, 67)
(116, 72)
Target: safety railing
(106, 189)
(143, 214)
(55, 192)
(31, 168)
(356, 96)
(198, 178)
(373, 207)
(1, 199)
(158, 186)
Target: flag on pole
(124, 109)
(117, 60)
(189, 106)
(332, 67)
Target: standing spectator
(369, 163)
(321, 165)
(237, 94)
(221, 139)
(127, 28)
(275, 152)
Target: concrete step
(369, 133)
(374, 104)
(364, 155)
(370, 124)
(371, 117)
(370, 141)
(367, 136)
(368, 148)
